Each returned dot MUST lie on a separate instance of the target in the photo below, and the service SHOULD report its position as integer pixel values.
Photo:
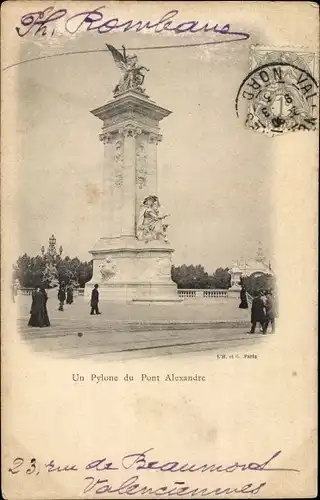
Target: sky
(214, 174)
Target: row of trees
(32, 271)
(256, 284)
(196, 277)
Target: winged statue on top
(132, 73)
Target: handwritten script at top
(102, 469)
(44, 22)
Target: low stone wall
(183, 294)
(207, 294)
(28, 291)
(25, 291)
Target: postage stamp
(281, 91)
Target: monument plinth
(132, 260)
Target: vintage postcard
(159, 249)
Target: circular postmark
(279, 97)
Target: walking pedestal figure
(132, 259)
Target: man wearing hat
(95, 300)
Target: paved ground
(137, 330)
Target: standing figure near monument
(270, 312)
(36, 311)
(95, 300)
(243, 298)
(61, 295)
(258, 312)
(46, 321)
(69, 295)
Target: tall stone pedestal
(124, 267)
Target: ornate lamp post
(260, 257)
(52, 252)
(245, 268)
(50, 273)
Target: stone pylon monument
(132, 259)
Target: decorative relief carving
(146, 120)
(108, 269)
(137, 119)
(116, 126)
(155, 138)
(106, 137)
(141, 166)
(130, 131)
(118, 164)
(115, 120)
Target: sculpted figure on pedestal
(132, 77)
(150, 226)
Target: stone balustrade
(25, 291)
(205, 294)
(183, 293)
(28, 291)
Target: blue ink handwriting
(97, 485)
(42, 21)
(131, 486)
(140, 461)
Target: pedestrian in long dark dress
(258, 313)
(36, 311)
(95, 300)
(243, 299)
(61, 296)
(69, 295)
(270, 312)
(46, 321)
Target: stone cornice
(129, 129)
(132, 250)
(155, 138)
(131, 102)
